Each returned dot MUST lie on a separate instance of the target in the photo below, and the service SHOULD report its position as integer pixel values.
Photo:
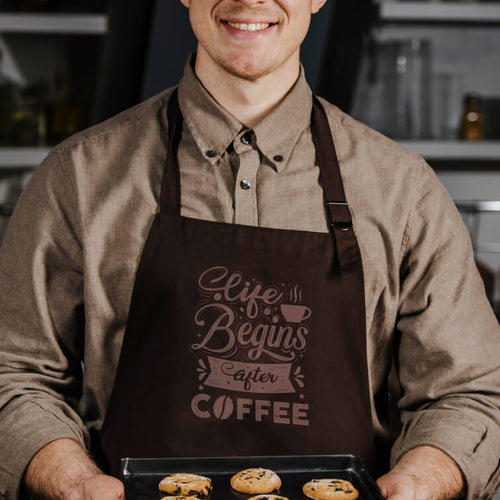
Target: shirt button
(211, 153)
(278, 158)
(244, 184)
(246, 139)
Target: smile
(252, 27)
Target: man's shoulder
(370, 146)
(128, 125)
(381, 177)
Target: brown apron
(243, 340)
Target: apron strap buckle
(339, 216)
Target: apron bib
(243, 340)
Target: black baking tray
(142, 475)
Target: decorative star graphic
(302, 396)
(201, 387)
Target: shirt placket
(245, 188)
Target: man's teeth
(249, 27)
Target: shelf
(475, 206)
(455, 150)
(73, 24)
(21, 158)
(487, 248)
(440, 12)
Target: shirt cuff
(472, 446)
(23, 436)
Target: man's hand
(62, 470)
(424, 473)
(99, 487)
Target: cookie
(267, 497)
(330, 489)
(177, 497)
(186, 485)
(255, 481)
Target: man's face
(250, 38)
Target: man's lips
(248, 27)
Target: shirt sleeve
(41, 322)
(447, 343)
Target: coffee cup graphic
(295, 313)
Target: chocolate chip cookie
(255, 481)
(186, 485)
(330, 489)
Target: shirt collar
(214, 129)
(278, 133)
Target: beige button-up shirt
(68, 263)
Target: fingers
(394, 486)
(382, 486)
(102, 487)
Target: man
(262, 320)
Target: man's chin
(247, 71)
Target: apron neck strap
(170, 198)
(336, 206)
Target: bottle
(472, 125)
(28, 119)
(64, 115)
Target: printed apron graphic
(250, 342)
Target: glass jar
(404, 67)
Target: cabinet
(465, 47)
(38, 50)
(94, 49)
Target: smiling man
(236, 267)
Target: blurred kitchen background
(426, 73)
